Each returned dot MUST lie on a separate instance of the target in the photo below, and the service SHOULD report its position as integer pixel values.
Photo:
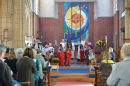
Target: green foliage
(55, 59)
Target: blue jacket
(113, 56)
(36, 75)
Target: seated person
(112, 53)
(120, 75)
(104, 66)
(47, 65)
(5, 74)
(11, 62)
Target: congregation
(17, 66)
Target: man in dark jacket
(86, 54)
(5, 72)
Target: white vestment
(36, 46)
(63, 45)
(83, 43)
(78, 56)
(72, 51)
(51, 49)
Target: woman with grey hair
(19, 52)
(120, 75)
(5, 74)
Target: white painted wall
(105, 8)
(47, 8)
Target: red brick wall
(116, 27)
(52, 29)
(91, 23)
(35, 26)
(103, 26)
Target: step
(73, 79)
(76, 62)
(73, 75)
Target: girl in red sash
(62, 55)
(81, 54)
(68, 54)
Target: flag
(68, 38)
(86, 43)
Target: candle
(106, 38)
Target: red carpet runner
(73, 84)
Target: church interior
(80, 34)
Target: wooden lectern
(47, 55)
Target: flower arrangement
(55, 59)
(100, 43)
(93, 59)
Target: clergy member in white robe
(46, 49)
(78, 56)
(63, 44)
(41, 48)
(72, 51)
(36, 46)
(51, 50)
(83, 42)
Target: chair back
(24, 83)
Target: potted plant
(94, 59)
(55, 60)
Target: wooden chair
(45, 77)
(93, 62)
(98, 78)
(24, 83)
(55, 73)
(105, 79)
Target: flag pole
(107, 55)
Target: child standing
(62, 55)
(81, 54)
(58, 55)
(68, 54)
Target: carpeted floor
(72, 71)
(73, 84)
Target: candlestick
(106, 38)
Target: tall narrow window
(35, 6)
(116, 5)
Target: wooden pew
(24, 83)
(45, 77)
(49, 81)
